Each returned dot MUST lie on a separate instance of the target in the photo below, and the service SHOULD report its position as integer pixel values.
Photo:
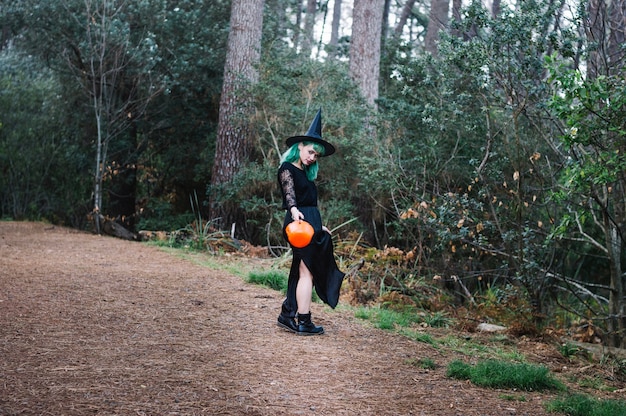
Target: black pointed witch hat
(314, 135)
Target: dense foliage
(484, 167)
(167, 86)
(44, 170)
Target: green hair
(293, 154)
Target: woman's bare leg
(304, 289)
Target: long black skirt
(319, 258)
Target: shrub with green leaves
(43, 170)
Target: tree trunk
(309, 25)
(384, 27)
(6, 35)
(334, 31)
(617, 36)
(365, 47)
(617, 311)
(278, 9)
(437, 20)
(98, 171)
(297, 32)
(595, 34)
(404, 17)
(456, 15)
(495, 9)
(232, 146)
(606, 29)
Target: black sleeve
(287, 184)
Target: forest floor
(97, 325)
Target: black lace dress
(298, 191)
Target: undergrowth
(424, 363)
(410, 305)
(581, 405)
(384, 318)
(272, 279)
(505, 375)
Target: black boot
(306, 327)
(287, 323)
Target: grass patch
(386, 318)
(437, 320)
(501, 339)
(363, 313)
(513, 397)
(425, 363)
(420, 337)
(465, 346)
(272, 279)
(581, 405)
(506, 355)
(390, 319)
(596, 383)
(474, 349)
(500, 374)
(459, 370)
(231, 265)
(568, 350)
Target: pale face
(308, 155)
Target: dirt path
(96, 325)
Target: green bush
(43, 170)
(580, 405)
(164, 221)
(500, 374)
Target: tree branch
(589, 238)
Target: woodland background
(480, 145)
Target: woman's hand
(296, 214)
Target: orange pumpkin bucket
(299, 233)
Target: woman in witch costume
(313, 265)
